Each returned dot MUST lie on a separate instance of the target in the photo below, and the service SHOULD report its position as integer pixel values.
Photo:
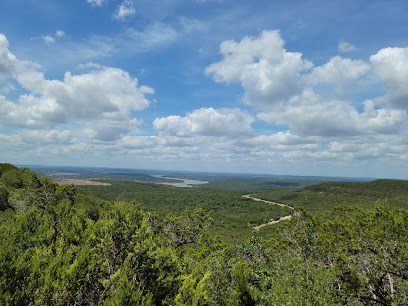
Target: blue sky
(274, 87)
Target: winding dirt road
(248, 196)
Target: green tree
(4, 193)
(188, 227)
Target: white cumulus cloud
(338, 71)
(31, 112)
(309, 114)
(390, 64)
(207, 122)
(106, 92)
(8, 61)
(102, 99)
(265, 69)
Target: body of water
(185, 182)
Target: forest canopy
(63, 247)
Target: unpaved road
(248, 196)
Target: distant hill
(230, 181)
(320, 198)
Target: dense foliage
(318, 199)
(61, 247)
(234, 216)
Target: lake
(185, 183)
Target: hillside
(318, 199)
(59, 246)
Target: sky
(290, 87)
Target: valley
(111, 236)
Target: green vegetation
(318, 199)
(252, 183)
(234, 217)
(59, 246)
(222, 180)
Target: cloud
(48, 39)
(106, 131)
(280, 141)
(188, 25)
(157, 35)
(390, 64)
(138, 142)
(8, 87)
(46, 137)
(154, 36)
(182, 142)
(379, 147)
(207, 122)
(29, 141)
(110, 130)
(338, 71)
(31, 112)
(104, 92)
(95, 2)
(59, 33)
(310, 115)
(345, 47)
(8, 62)
(106, 95)
(88, 114)
(125, 9)
(102, 98)
(265, 69)
(273, 80)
